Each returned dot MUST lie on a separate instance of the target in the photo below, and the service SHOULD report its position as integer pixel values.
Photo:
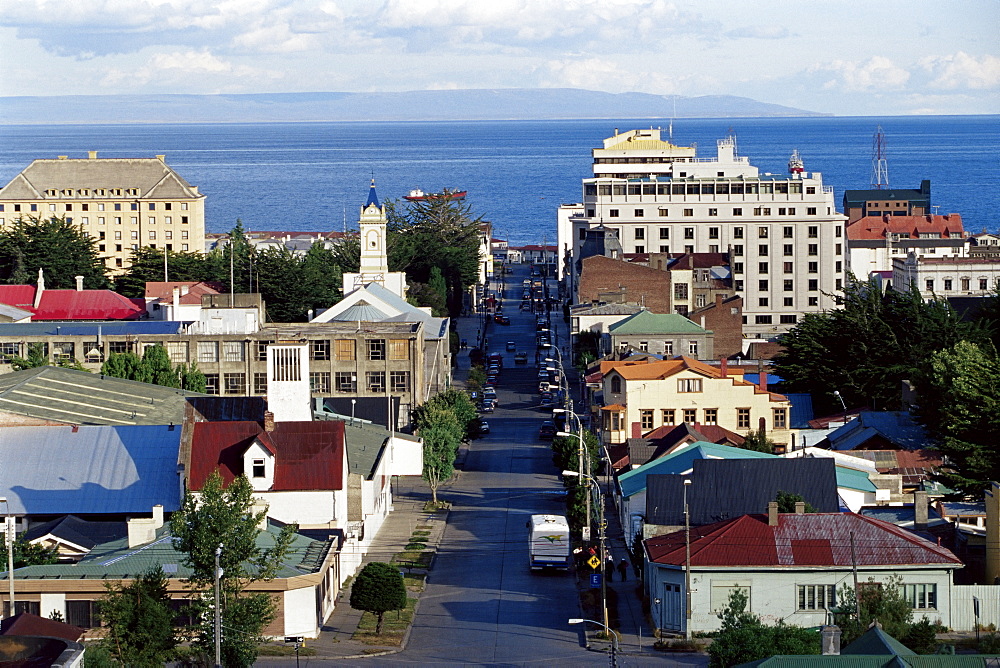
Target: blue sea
(314, 176)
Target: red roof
(810, 539)
(27, 624)
(191, 291)
(948, 226)
(307, 455)
(73, 304)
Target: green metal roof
(116, 560)
(647, 322)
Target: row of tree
(436, 243)
(875, 342)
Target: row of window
(697, 188)
(101, 236)
(763, 232)
(712, 212)
(224, 351)
(668, 347)
(824, 597)
(98, 206)
(668, 416)
(948, 284)
(787, 267)
(134, 220)
(320, 382)
(764, 250)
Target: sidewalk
(335, 641)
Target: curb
(416, 607)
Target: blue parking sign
(595, 580)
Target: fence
(963, 617)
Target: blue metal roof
(89, 469)
(801, 410)
(92, 328)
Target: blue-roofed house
(879, 430)
(89, 470)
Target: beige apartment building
(122, 203)
(641, 396)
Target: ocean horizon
(314, 175)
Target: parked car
(511, 346)
(521, 358)
(502, 320)
(484, 426)
(546, 398)
(489, 394)
(547, 430)
(488, 406)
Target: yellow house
(121, 203)
(643, 395)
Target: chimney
(63, 157)
(724, 366)
(800, 507)
(830, 640)
(158, 515)
(762, 384)
(920, 510)
(268, 421)
(79, 283)
(176, 299)
(92, 155)
(39, 288)
(161, 158)
(772, 513)
(185, 289)
(636, 430)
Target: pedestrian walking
(623, 569)
(609, 569)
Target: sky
(846, 57)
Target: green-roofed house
(304, 589)
(666, 334)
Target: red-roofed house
(177, 300)
(791, 566)
(298, 468)
(873, 241)
(656, 393)
(71, 305)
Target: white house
(791, 567)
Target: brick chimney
(772, 514)
(920, 510)
(268, 421)
(800, 507)
(763, 380)
(724, 366)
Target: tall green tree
(377, 589)
(868, 346)
(146, 265)
(442, 434)
(122, 365)
(225, 518)
(55, 245)
(157, 369)
(281, 280)
(959, 402)
(324, 275)
(139, 620)
(191, 377)
(232, 265)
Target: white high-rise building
(785, 236)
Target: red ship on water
(420, 196)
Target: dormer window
(258, 468)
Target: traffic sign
(595, 580)
(594, 562)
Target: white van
(548, 542)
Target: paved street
(482, 604)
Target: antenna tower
(880, 168)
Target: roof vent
(92, 155)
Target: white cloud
(961, 70)
(760, 32)
(876, 73)
(175, 67)
(607, 75)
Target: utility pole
(687, 564)
(218, 610)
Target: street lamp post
(614, 638)
(687, 563)
(218, 610)
(9, 542)
(600, 536)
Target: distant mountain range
(429, 105)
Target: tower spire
(372, 196)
